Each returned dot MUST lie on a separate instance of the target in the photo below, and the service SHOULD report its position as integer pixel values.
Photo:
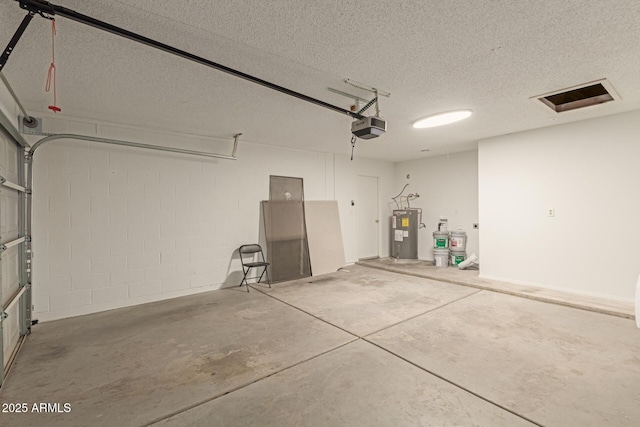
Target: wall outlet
(551, 212)
(476, 225)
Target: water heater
(404, 233)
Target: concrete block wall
(117, 226)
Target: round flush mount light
(442, 119)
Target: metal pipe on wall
(44, 140)
(24, 224)
(27, 253)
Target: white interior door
(367, 217)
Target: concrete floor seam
(422, 314)
(408, 361)
(306, 312)
(456, 385)
(212, 398)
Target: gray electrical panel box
(404, 233)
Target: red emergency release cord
(51, 75)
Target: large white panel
(324, 233)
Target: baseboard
(556, 288)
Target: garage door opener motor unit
(369, 127)
(372, 126)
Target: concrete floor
(364, 347)
(470, 277)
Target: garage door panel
(10, 333)
(9, 208)
(8, 158)
(10, 271)
(14, 319)
(4, 143)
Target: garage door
(14, 298)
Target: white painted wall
(117, 226)
(589, 173)
(448, 186)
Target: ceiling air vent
(581, 96)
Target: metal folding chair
(248, 254)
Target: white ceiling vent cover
(577, 97)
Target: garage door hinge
(3, 315)
(3, 248)
(27, 239)
(2, 179)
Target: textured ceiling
(489, 56)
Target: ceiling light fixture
(442, 119)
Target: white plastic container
(440, 240)
(472, 259)
(457, 257)
(441, 257)
(458, 240)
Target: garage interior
(132, 172)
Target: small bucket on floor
(440, 240)
(441, 257)
(457, 257)
(458, 240)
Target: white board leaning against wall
(326, 248)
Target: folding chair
(250, 251)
